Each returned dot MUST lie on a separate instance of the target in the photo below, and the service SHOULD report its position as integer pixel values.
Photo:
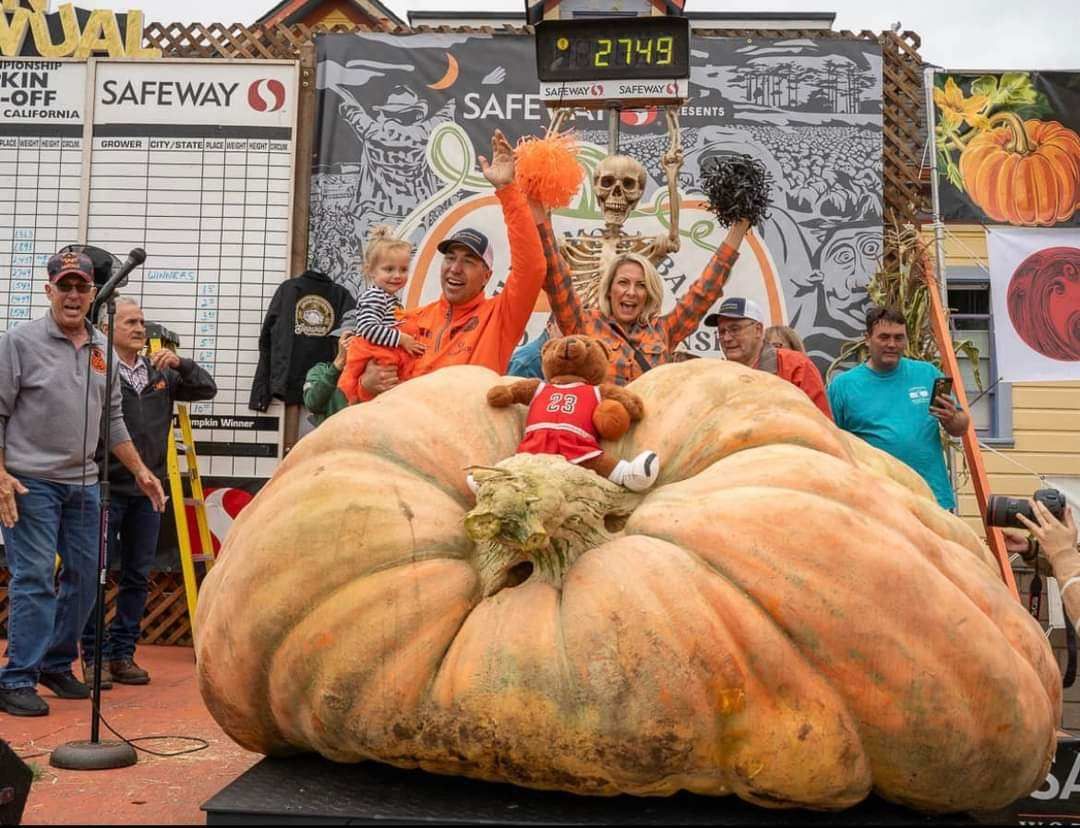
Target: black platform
(310, 790)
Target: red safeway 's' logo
(266, 95)
(638, 117)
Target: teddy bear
(572, 409)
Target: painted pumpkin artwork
(1044, 302)
(1023, 172)
(787, 616)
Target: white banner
(40, 92)
(1035, 286)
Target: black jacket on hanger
(295, 336)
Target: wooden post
(301, 203)
(971, 443)
(305, 139)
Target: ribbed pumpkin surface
(787, 616)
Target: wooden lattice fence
(166, 620)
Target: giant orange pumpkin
(787, 616)
(1023, 172)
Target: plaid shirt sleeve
(559, 286)
(689, 311)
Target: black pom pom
(738, 188)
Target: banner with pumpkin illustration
(1008, 147)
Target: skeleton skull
(619, 182)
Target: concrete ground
(157, 790)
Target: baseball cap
(473, 239)
(348, 323)
(70, 263)
(736, 307)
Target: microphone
(135, 258)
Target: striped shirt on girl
(377, 316)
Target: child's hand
(409, 343)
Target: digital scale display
(631, 48)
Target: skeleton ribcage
(587, 257)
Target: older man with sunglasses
(52, 399)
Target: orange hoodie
(485, 331)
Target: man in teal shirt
(886, 401)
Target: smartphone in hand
(943, 387)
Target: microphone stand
(95, 754)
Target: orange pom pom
(547, 169)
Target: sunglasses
(68, 286)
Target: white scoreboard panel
(42, 121)
(191, 161)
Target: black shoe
(23, 701)
(65, 685)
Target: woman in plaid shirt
(628, 320)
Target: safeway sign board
(254, 94)
(616, 93)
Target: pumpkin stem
(541, 510)
(1020, 142)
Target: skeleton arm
(561, 116)
(673, 161)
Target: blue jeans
(133, 537)
(43, 628)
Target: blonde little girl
(386, 265)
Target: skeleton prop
(619, 183)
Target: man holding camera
(887, 402)
(149, 386)
(52, 399)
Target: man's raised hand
(500, 171)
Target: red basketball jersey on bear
(560, 422)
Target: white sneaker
(638, 474)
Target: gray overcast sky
(957, 34)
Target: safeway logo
(638, 117)
(596, 91)
(266, 95)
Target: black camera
(1002, 511)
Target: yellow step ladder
(183, 443)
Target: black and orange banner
(1008, 147)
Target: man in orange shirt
(740, 332)
(465, 327)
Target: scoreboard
(613, 62)
(193, 162)
(632, 48)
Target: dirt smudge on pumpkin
(805, 731)
(403, 732)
